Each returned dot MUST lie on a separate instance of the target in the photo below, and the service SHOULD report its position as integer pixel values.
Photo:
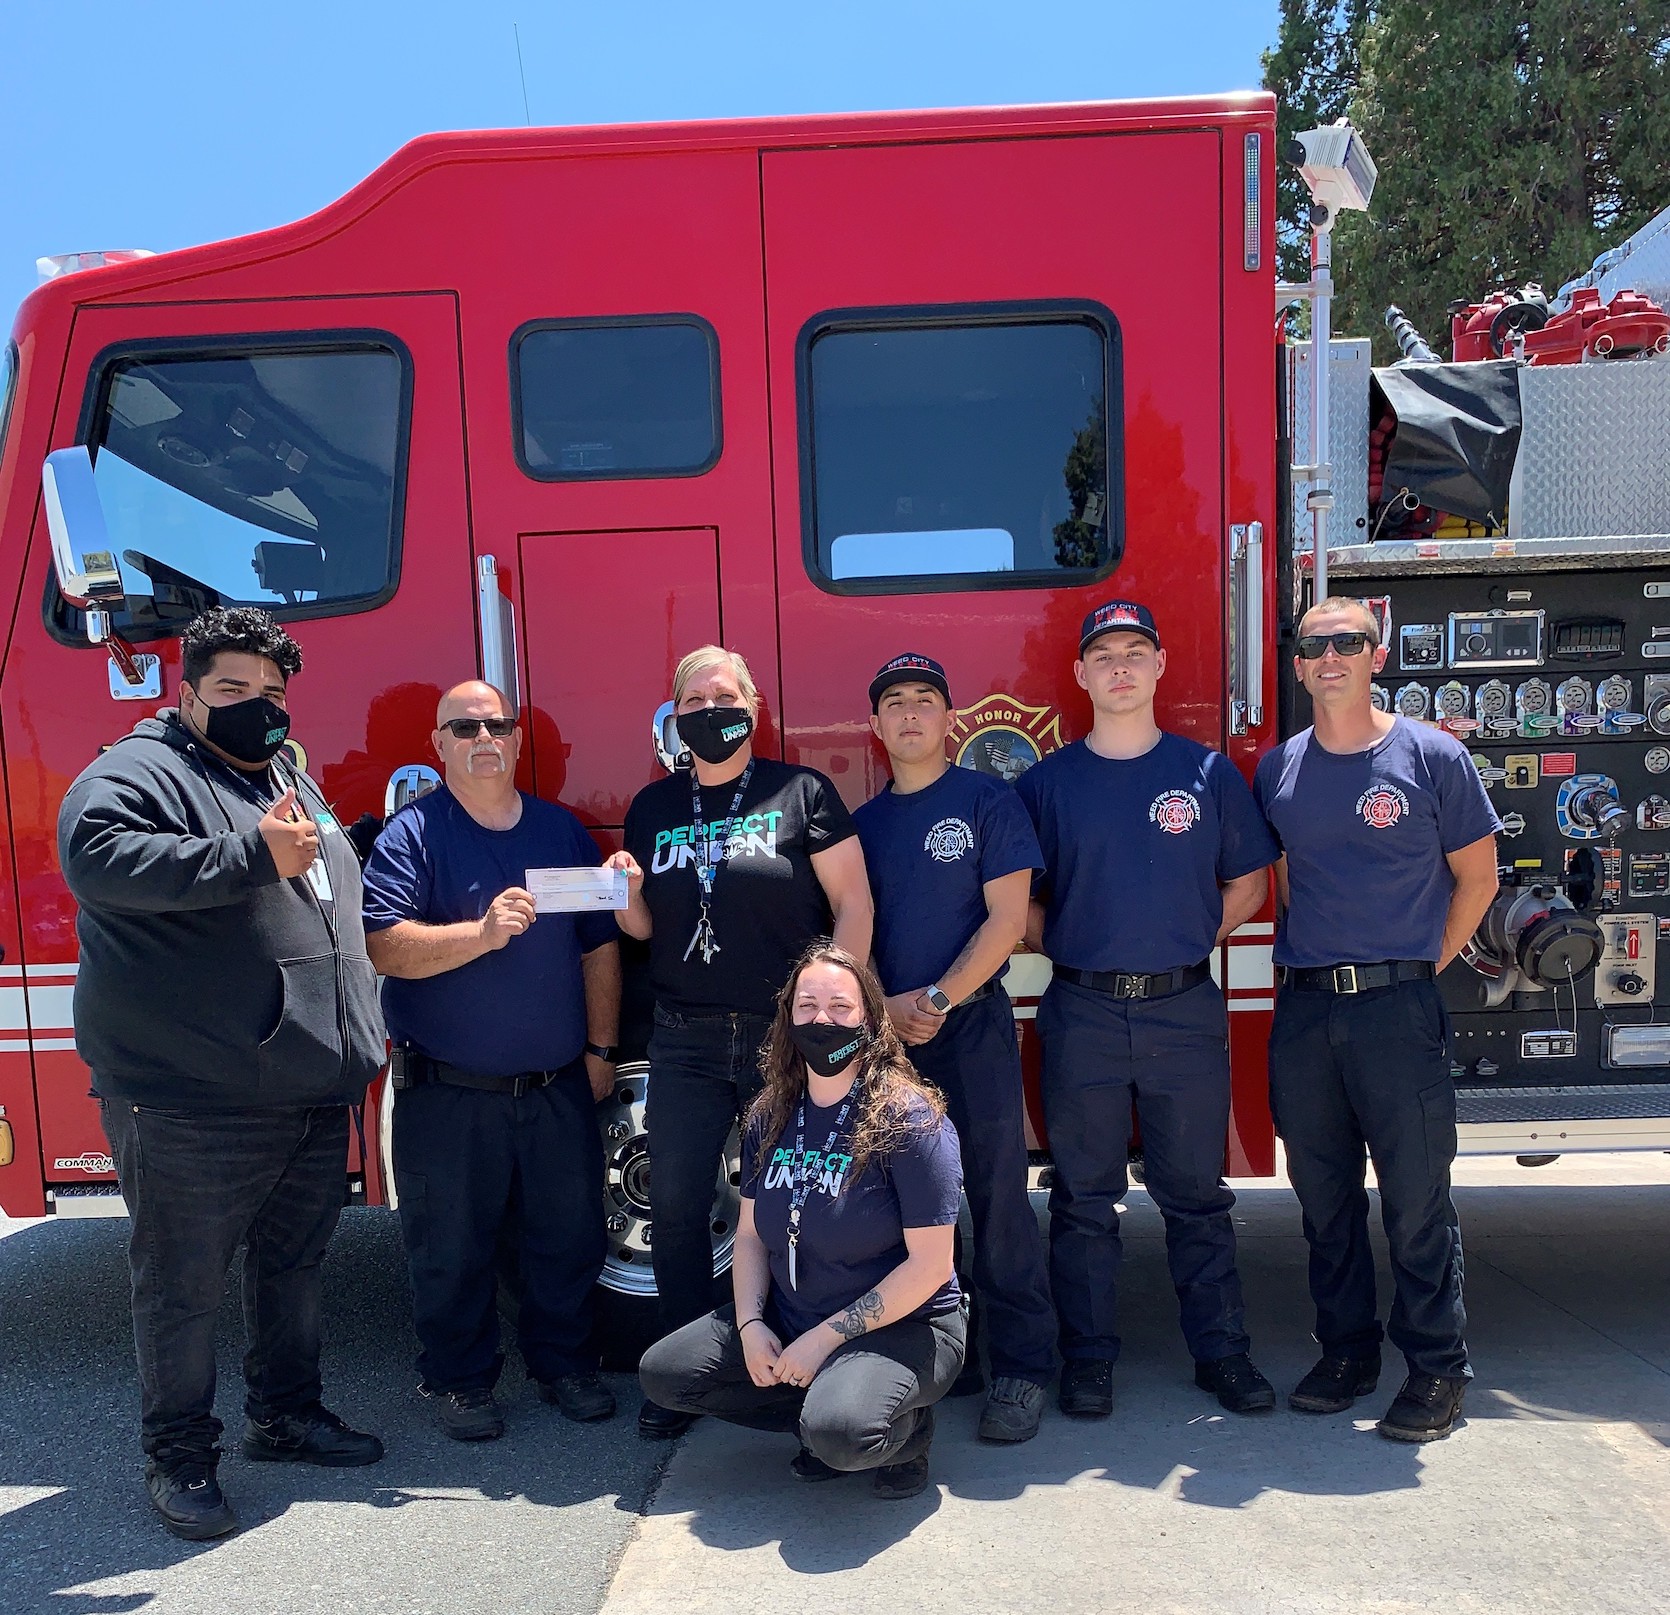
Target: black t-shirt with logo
(767, 903)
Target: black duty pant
(858, 1412)
(198, 1185)
(1368, 1075)
(975, 1062)
(470, 1166)
(703, 1075)
(1171, 1056)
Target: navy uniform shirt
(852, 1232)
(522, 1007)
(930, 854)
(1135, 850)
(1366, 834)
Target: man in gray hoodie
(228, 1013)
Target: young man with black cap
(951, 855)
(1154, 851)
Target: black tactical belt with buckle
(409, 1069)
(1117, 984)
(1357, 978)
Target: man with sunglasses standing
(504, 1022)
(1389, 864)
(1154, 851)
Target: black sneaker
(662, 1424)
(806, 1465)
(908, 1473)
(1236, 1383)
(1012, 1411)
(187, 1495)
(1425, 1409)
(314, 1436)
(1086, 1388)
(583, 1398)
(1335, 1383)
(471, 1415)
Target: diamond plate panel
(1348, 371)
(1594, 457)
(1609, 1102)
(1640, 264)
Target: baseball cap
(910, 668)
(1118, 616)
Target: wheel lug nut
(619, 1132)
(617, 1222)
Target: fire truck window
(612, 400)
(8, 382)
(250, 478)
(948, 455)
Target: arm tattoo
(859, 1316)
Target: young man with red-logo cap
(1389, 864)
(1154, 851)
(951, 855)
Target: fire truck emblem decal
(1004, 737)
(948, 841)
(1174, 811)
(91, 1161)
(1382, 806)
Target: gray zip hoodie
(206, 982)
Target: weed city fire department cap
(908, 669)
(1118, 616)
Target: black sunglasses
(1312, 646)
(468, 728)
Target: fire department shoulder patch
(1174, 811)
(1381, 806)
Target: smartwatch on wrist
(936, 996)
(605, 1052)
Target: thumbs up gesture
(291, 837)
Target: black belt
(984, 990)
(1356, 978)
(415, 1069)
(1117, 984)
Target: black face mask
(715, 734)
(828, 1049)
(251, 731)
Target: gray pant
(866, 1403)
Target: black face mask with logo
(826, 1048)
(715, 734)
(251, 731)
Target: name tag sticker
(572, 891)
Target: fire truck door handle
(497, 627)
(1246, 608)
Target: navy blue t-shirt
(521, 1008)
(851, 1233)
(1366, 834)
(930, 854)
(1135, 850)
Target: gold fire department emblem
(1002, 736)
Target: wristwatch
(605, 1052)
(936, 996)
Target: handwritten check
(573, 891)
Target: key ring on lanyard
(802, 1184)
(706, 870)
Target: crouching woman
(848, 1324)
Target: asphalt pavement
(1553, 1497)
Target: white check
(570, 891)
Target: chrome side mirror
(88, 577)
(406, 785)
(669, 749)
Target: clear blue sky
(144, 123)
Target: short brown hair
(1346, 602)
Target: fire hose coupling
(1587, 808)
(1531, 939)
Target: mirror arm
(99, 632)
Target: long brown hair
(892, 1098)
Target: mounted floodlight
(1336, 168)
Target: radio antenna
(516, 29)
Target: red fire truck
(556, 405)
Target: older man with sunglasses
(503, 1020)
(1389, 863)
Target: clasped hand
(770, 1362)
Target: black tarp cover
(1457, 434)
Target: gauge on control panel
(1493, 700)
(1574, 694)
(1415, 701)
(1453, 699)
(1380, 697)
(1533, 696)
(1614, 693)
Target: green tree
(1515, 140)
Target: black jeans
(703, 1075)
(1171, 1056)
(198, 1185)
(859, 1411)
(1357, 1076)
(975, 1062)
(472, 1166)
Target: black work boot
(1425, 1409)
(663, 1424)
(583, 1398)
(1086, 1388)
(908, 1473)
(313, 1436)
(1236, 1383)
(185, 1492)
(1335, 1383)
(1012, 1411)
(806, 1465)
(471, 1415)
